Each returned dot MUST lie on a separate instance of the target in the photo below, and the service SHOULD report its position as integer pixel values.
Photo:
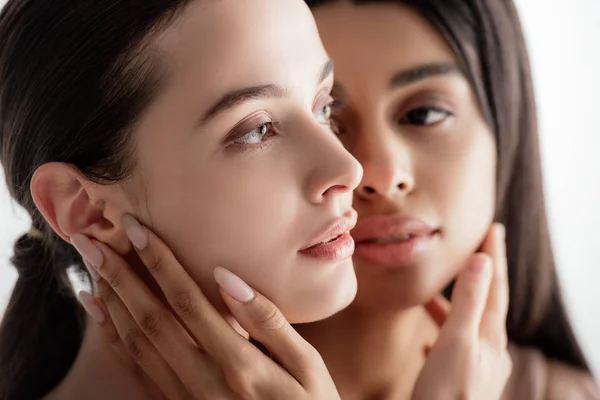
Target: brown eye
(424, 116)
(257, 135)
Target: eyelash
(266, 129)
(270, 128)
(404, 120)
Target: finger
(199, 316)
(130, 341)
(494, 318)
(265, 323)
(469, 298)
(438, 309)
(152, 318)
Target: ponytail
(42, 329)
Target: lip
(338, 249)
(336, 228)
(375, 241)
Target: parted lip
(334, 229)
(388, 226)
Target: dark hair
(75, 76)
(487, 37)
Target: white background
(563, 41)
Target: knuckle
(113, 277)
(183, 304)
(271, 319)
(310, 359)
(150, 323)
(154, 264)
(244, 380)
(105, 292)
(132, 341)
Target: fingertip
(480, 265)
(501, 229)
(135, 232)
(91, 307)
(233, 285)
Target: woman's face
(237, 164)
(411, 119)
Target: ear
(72, 204)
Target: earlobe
(72, 204)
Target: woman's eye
(324, 114)
(257, 135)
(425, 116)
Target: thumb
(469, 298)
(265, 323)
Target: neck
(370, 354)
(100, 373)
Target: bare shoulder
(535, 377)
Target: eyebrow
(421, 72)
(237, 97)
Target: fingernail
(94, 274)
(91, 307)
(233, 285)
(481, 265)
(502, 231)
(88, 250)
(135, 232)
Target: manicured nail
(233, 285)
(502, 231)
(91, 307)
(94, 274)
(88, 250)
(481, 265)
(135, 232)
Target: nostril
(336, 188)
(368, 190)
(402, 186)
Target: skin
(238, 192)
(380, 346)
(442, 173)
(375, 348)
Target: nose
(386, 160)
(333, 170)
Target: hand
(191, 351)
(470, 359)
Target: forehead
(226, 44)
(373, 42)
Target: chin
(331, 297)
(402, 288)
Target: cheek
(228, 216)
(466, 189)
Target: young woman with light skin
(185, 115)
(436, 102)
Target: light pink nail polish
(88, 250)
(233, 285)
(135, 232)
(91, 307)
(93, 273)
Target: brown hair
(74, 78)
(487, 37)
